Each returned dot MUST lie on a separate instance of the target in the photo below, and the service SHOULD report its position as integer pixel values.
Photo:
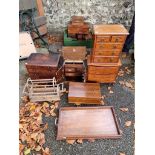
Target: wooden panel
(100, 39)
(74, 52)
(107, 29)
(111, 78)
(40, 7)
(84, 93)
(118, 39)
(103, 64)
(109, 46)
(107, 52)
(87, 123)
(102, 70)
(105, 59)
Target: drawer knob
(116, 40)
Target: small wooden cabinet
(104, 61)
(74, 67)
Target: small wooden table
(84, 93)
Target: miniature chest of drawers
(42, 66)
(104, 61)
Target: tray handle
(56, 122)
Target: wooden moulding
(84, 93)
(87, 123)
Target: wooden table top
(84, 90)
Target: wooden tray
(87, 123)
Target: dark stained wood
(42, 66)
(84, 93)
(87, 123)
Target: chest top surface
(78, 89)
(41, 59)
(107, 29)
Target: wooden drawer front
(84, 100)
(78, 30)
(106, 52)
(73, 74)
(102, 59)
(71, 68)
(102, 78)
(108, 46)
(118, 38)
(101, 39)
(102, 70)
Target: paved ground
(122, 97)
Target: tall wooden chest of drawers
(104, 61)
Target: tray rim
(112, 136)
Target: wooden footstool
(84, 93)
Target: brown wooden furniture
(104, 61)
(87, 123)
(73, 64)
(84, 93)
(43, 90)
(102, 72)
(42, 66)
(79, 29)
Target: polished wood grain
(107, 52)
(84, 93)
(110, 29)
(74, 52)
(42, 66)
(87, 123)
(105, 59)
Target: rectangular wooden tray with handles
(87, 123)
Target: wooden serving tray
(87, 123)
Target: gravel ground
(122, 97)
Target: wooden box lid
(87, 123)
(84, 93)
(74, 52)
(40, 59)
(77, 19)
(108, 29)
(102, 64)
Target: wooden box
(84, 93)
(42, 66)
(87, 123)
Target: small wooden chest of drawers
(102, 72)
(104, 61)
(74, 57)
(42, 66)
